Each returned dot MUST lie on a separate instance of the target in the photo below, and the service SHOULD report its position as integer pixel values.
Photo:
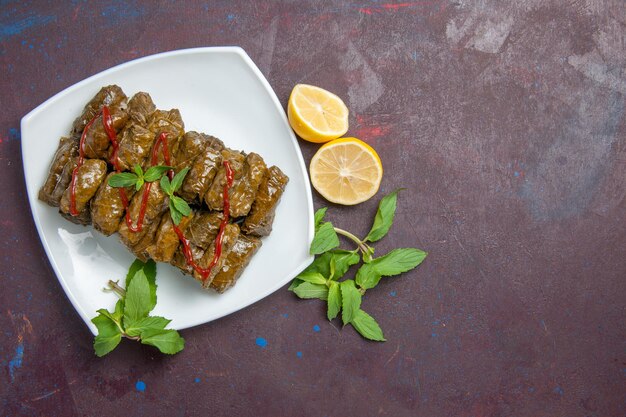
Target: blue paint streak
(14, 134)
(316, 328)
(140, 386)
(434, 335)
(299, 354)
(16, 362)
(516, 174)
(261, 342)
(230, 17)
(285, 315)
(196, 380)
(9, 29)
(393, 293)
(121, 11)
(558, 390)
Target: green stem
(116, 289)
(364, 248)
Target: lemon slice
(346, 171)
(316, 115)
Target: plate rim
(32, 200)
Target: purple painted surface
(504, 121)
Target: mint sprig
(178, 207)
(322, 278)
(131, 317)
(128, 179)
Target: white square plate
(219, 91)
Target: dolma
(204, 227)
(168, 122)
(259, 220)
(180, 261)
(135, 141)
(202, 172)
(166, 240)
(244, 191)
(189, 148)
(239, 257)
(156, 206)
(140, 108)
(97, 141)
(149, 231)
(107, 95)
(88, 178)
(58, 178)
(254, 194)
(107, 209)
(214, 197)
(231, 233)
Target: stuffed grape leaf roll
(204, 227)
(203, 170)
(239, 257)
(157, 203)
(259, 220)
(107, 208)
(97, 141)
(88, 178)
(231, 233)
(214, 197)
(136, 140)
(166, 240)
(243, 191)
(60, 172)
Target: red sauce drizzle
(205, 272)
(162, 143)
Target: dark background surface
(504, 121)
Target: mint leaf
(325, 239)
(117, 320)
(176, 215)
(334, 300)
(150, 322)
(312, 277)
(109, 335)
(149, 270)
(181, 205)
(398, 261)
(308, 290)
(137, 304)
(296, 281)
(320, 264)
(384, 217)
(178, 179)
(393, 263)
(319, 216)
(367, 277)
(138, 170)
(123, 179)
(167, 341)
(367, 326)
(166, 186)
(350, 300)
(118, 313)
(155, 172)
(343, 260)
